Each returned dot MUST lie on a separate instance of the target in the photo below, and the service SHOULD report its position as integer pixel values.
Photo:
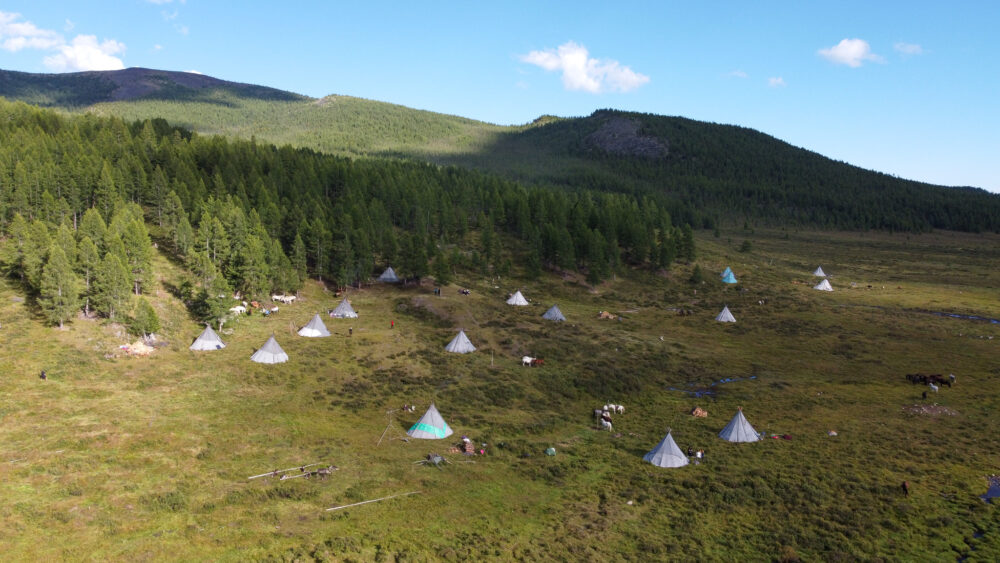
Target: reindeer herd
(934, 381)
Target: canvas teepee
(666, 454)
(739, 430)
(344, 311)
(819, 272)
(460, 344)
(725, 316)
(430, 426)
(824, 286)
(389, 276)
(517, 299)
(315, 328)
(207, 340)
(554, 314)
(725, 272)
(270, 353)
(729, 278)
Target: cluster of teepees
(668, 454)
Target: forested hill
(706, 173)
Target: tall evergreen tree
(138, 253)
(59, 294)
(88, 260)
(111, 286)
(144, 321)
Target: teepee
(554, 314)
(270, 353)
(666, 454)
(819, 272)
(725, 316)
(460, 344)
(729, 278)
(430, 426)
(315, 328)
(207, 340)
(725, 272)
(517, 299)
(389, 276)
(739, 430)
(344, 311)
(824, 286)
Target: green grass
(128, 459)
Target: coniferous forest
(79, 195)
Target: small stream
(706, 392)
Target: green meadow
(118, 458)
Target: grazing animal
(526, 360)
(239, 310)
(620, 409)
(933, 387)
(535, 362)
(42, 375)
(906, 488)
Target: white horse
(238, 310)
(526, 360)
(619, 409)
(933, 387)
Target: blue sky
(908, 88)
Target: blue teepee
(729, 277)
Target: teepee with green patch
(431, 426)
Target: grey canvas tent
(389, 276)
(517, 299)
(315, 328)
(460, 344)
(554, 314)
(739, 430)
(819, 272)
(431, 426)
(207, 340)
(666, 454)
(270, 353)
(725, 316)
(344, 311)
(823, 286)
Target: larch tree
(112, 286)
(59, 293)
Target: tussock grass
(128, 459)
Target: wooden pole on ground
(373, 500)
(276, 471)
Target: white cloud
(85, 53)
(168, 16)
(738, 74)
(776, 82)
(182, 29)
(157, 47)
(16, 34)
(851, 52)
(908, 48)
(580, 72)
(68, 26)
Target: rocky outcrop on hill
(620, 135)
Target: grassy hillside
(720, 173)
(127, 459)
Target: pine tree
(35, 253)
(92, 225)
(59, 294)
(88, 260)
(138, 253)
(145, 321)
(252, 269)
(442, 269)
(111, 286)
(183, 236)
(299, 257)
(686, 250)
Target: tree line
(79, 193)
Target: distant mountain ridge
(703, 172)
(80, 89)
